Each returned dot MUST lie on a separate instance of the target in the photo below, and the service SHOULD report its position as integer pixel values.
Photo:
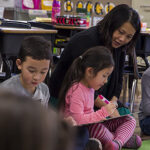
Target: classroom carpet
(145, 146)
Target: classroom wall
(103, 2)
(142, 6)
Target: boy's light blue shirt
(41, 94)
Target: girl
(90, 72)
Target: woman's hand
(114, 99)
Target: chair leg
(125, 81)
(134, 84)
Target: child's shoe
(93, 144)
(134, 142)
(111, 145)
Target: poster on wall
(108, 7)
(89, 7)
(99, 8)
(68, 6)
(79, 4)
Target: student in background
(33, 61)
(26, 125)
(118, 31)
(88, 73)
(144, 116)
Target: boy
(33, 62)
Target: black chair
(135, 70)
(131, 76)
(143, 48)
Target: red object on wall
(71, 21)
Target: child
(33, 61)
(89, 72)
(144, 116)
(26, 125)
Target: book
(108, 119)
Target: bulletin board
(96, 7)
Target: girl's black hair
(98, 58)
(115, 19)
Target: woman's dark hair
(115, 19)
(98, 58)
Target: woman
(118, 31)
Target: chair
(132, 73)
(135, 70)
(143, 48)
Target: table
(11, 39)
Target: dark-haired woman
(118, 31)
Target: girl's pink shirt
(80, 103)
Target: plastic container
(55, 10)
(143, 26)
(30, 4)
(88, 19)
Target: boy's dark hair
(36, 47)
(115, 19)
(98, 58)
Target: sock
(111, 145)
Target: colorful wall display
(79, 4)
(97, 8)
(108, 7)
(89, 7)
(68, 6)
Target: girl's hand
(110, 108)
(115, 114)
(71, 121)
